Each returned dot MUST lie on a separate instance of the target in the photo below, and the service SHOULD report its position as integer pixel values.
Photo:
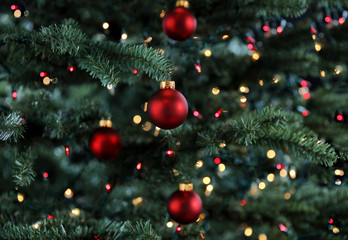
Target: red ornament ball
(167, 108)
(184, 206)
(179, 24)
(105, 143)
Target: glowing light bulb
(283, 173)
(46, 80)
(262, 236)
(207, 53)
(305, 113)
(251, 46)
(67, 150)
(243, 202)
(17, 13)
(137, 119)
(306, 95)
(210, 188)
(14, 95)
(124, 36)
(135, 71)
(170, 153)
(224, 37)
(248, 231)
(270, 177)
(287, 196)
(215, 91)
(137, 201)
(255, 56)
(195, 113)
(243, 99)
(105, 25)
(261, 83)
(265, 28)
(221, 167)
(262, 185)
(279, 29)
(147, 126)
(217, 160)
(50, 217)
(341, 20)
(206, 180)
(75, 212)
(271, 154)
(20, 197)
(317, 47)
(292, 174)
(68, 193)
(108, 187)
(45, 175)
(327, 19)
(199, 164)
(170, 224)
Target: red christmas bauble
(105, 143)
(179, 24)
(167, 108)
(184, 206)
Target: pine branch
(11, 127)
(23, 170)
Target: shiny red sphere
(184, 206)
(105, 143)
(179, 24)
(167, 108)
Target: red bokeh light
(265, 28)
(340, 117)
(135, 71)
(139, 166)
(306, 95)
(279, 29)
(218, 113)
(217, 160)
(314, 31)
(14, 95)
(304, 83)
(43, 74)
(280, 166)
(49, 217)
(108, 187)
(305, 113)
(243, 202)
(282, 227)
(341, 20)
(250, 39)
(250, 46)
(327, 19)
(67, 150)
(198, 67)
(14, 7)
(331, 221)
(45, 175)
(195, 113)
(178, 229)
(170, 153)
(71, 68)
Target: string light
(170, 224)
(124, 36)
(341, 20)
(68, 193)
(210, 188)
(108, 187)
(271, 154)
(322, 73)
(243, 202)
(20, 197)
(218, 113)
(262, 236)
(14, 7)
(270, 177)
(255, 56)
(304, 83)
(163, 13)
(198, 67)
(137, 201)
(222, 145)
(195, 113)
(279, 29)
(135, 71)
(17, 13)
(338, 69)
(45, 175)
(243, 99)
(292, 174)
(339, 172)
(14, 95)
(206, 180)
(147, 126)
(261, 83)
(221, 167)
(137, 119)
(251, 46)
(178, 229)
(265, 28)
(215, 91)
(224, 37)
(46, 80)
(327, 19)
(75, 212)
(67, 150)
(207, 53)
(305, 113)
(43, 74)
(282, 227)
(71, 68)
(280, 166)
(338, 182)
(199, 164)
(170, 153)
(105, 25)
(331, 221)
(306, 95)
(248, 231)
(36, 226)
(217, 160)
(243, 89)
(317, 47)
(335, 230)
(283, 173)
(262, 185)
(50, 217)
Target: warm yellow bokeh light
(283, 173)
(271, 154)
(292, 173)
(248, 231)
(243, 99)
(147, 126)
(262, 185)
(339, 172)
(68, 193)
(317, 47)
(163, 13)
(106, 25)
(206, 180)
(210, 188)
(124, 36)
(335, 230)
(199, 164)
(261, 83)
(215, 91)
(137, 119)
(46, 81)
(222, 167)
(270, 177)
(255, 56)
(207, 53)
(322, 73)
(137, 201)
(224, 37)
(20, 197)
(170, 224)
(75, 212)
(262, 236)
(36, 226)
(287, 196)
(17, 13)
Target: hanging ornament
(105, 143)
(167, 108)
(179, 24)
(184, 205)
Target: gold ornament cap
(105, 123)
(167, 85)
(182, 3)
(185, 186)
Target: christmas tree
(205, 119)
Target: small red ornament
(184, 205)
(167, 108)
(179, 24)
(105, 143)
